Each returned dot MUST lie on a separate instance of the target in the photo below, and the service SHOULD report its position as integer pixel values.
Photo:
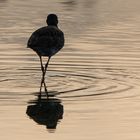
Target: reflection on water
(45, 112)
(96, 75)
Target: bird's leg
(43, 75)
(46, 66)
(42, 68)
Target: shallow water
(94, 79)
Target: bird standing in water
(46, 41)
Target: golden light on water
(95, 77)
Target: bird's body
(46, 41)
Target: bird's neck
(53, 26)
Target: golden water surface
(94, 80)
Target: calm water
(95, 79)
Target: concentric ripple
(87, 85)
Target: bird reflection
(45, 111)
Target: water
(95, 79)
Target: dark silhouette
(46, 42)
(45, 111)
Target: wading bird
(46, 41)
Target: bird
(46, 42)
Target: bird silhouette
(46, 42)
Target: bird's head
(52, 20)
